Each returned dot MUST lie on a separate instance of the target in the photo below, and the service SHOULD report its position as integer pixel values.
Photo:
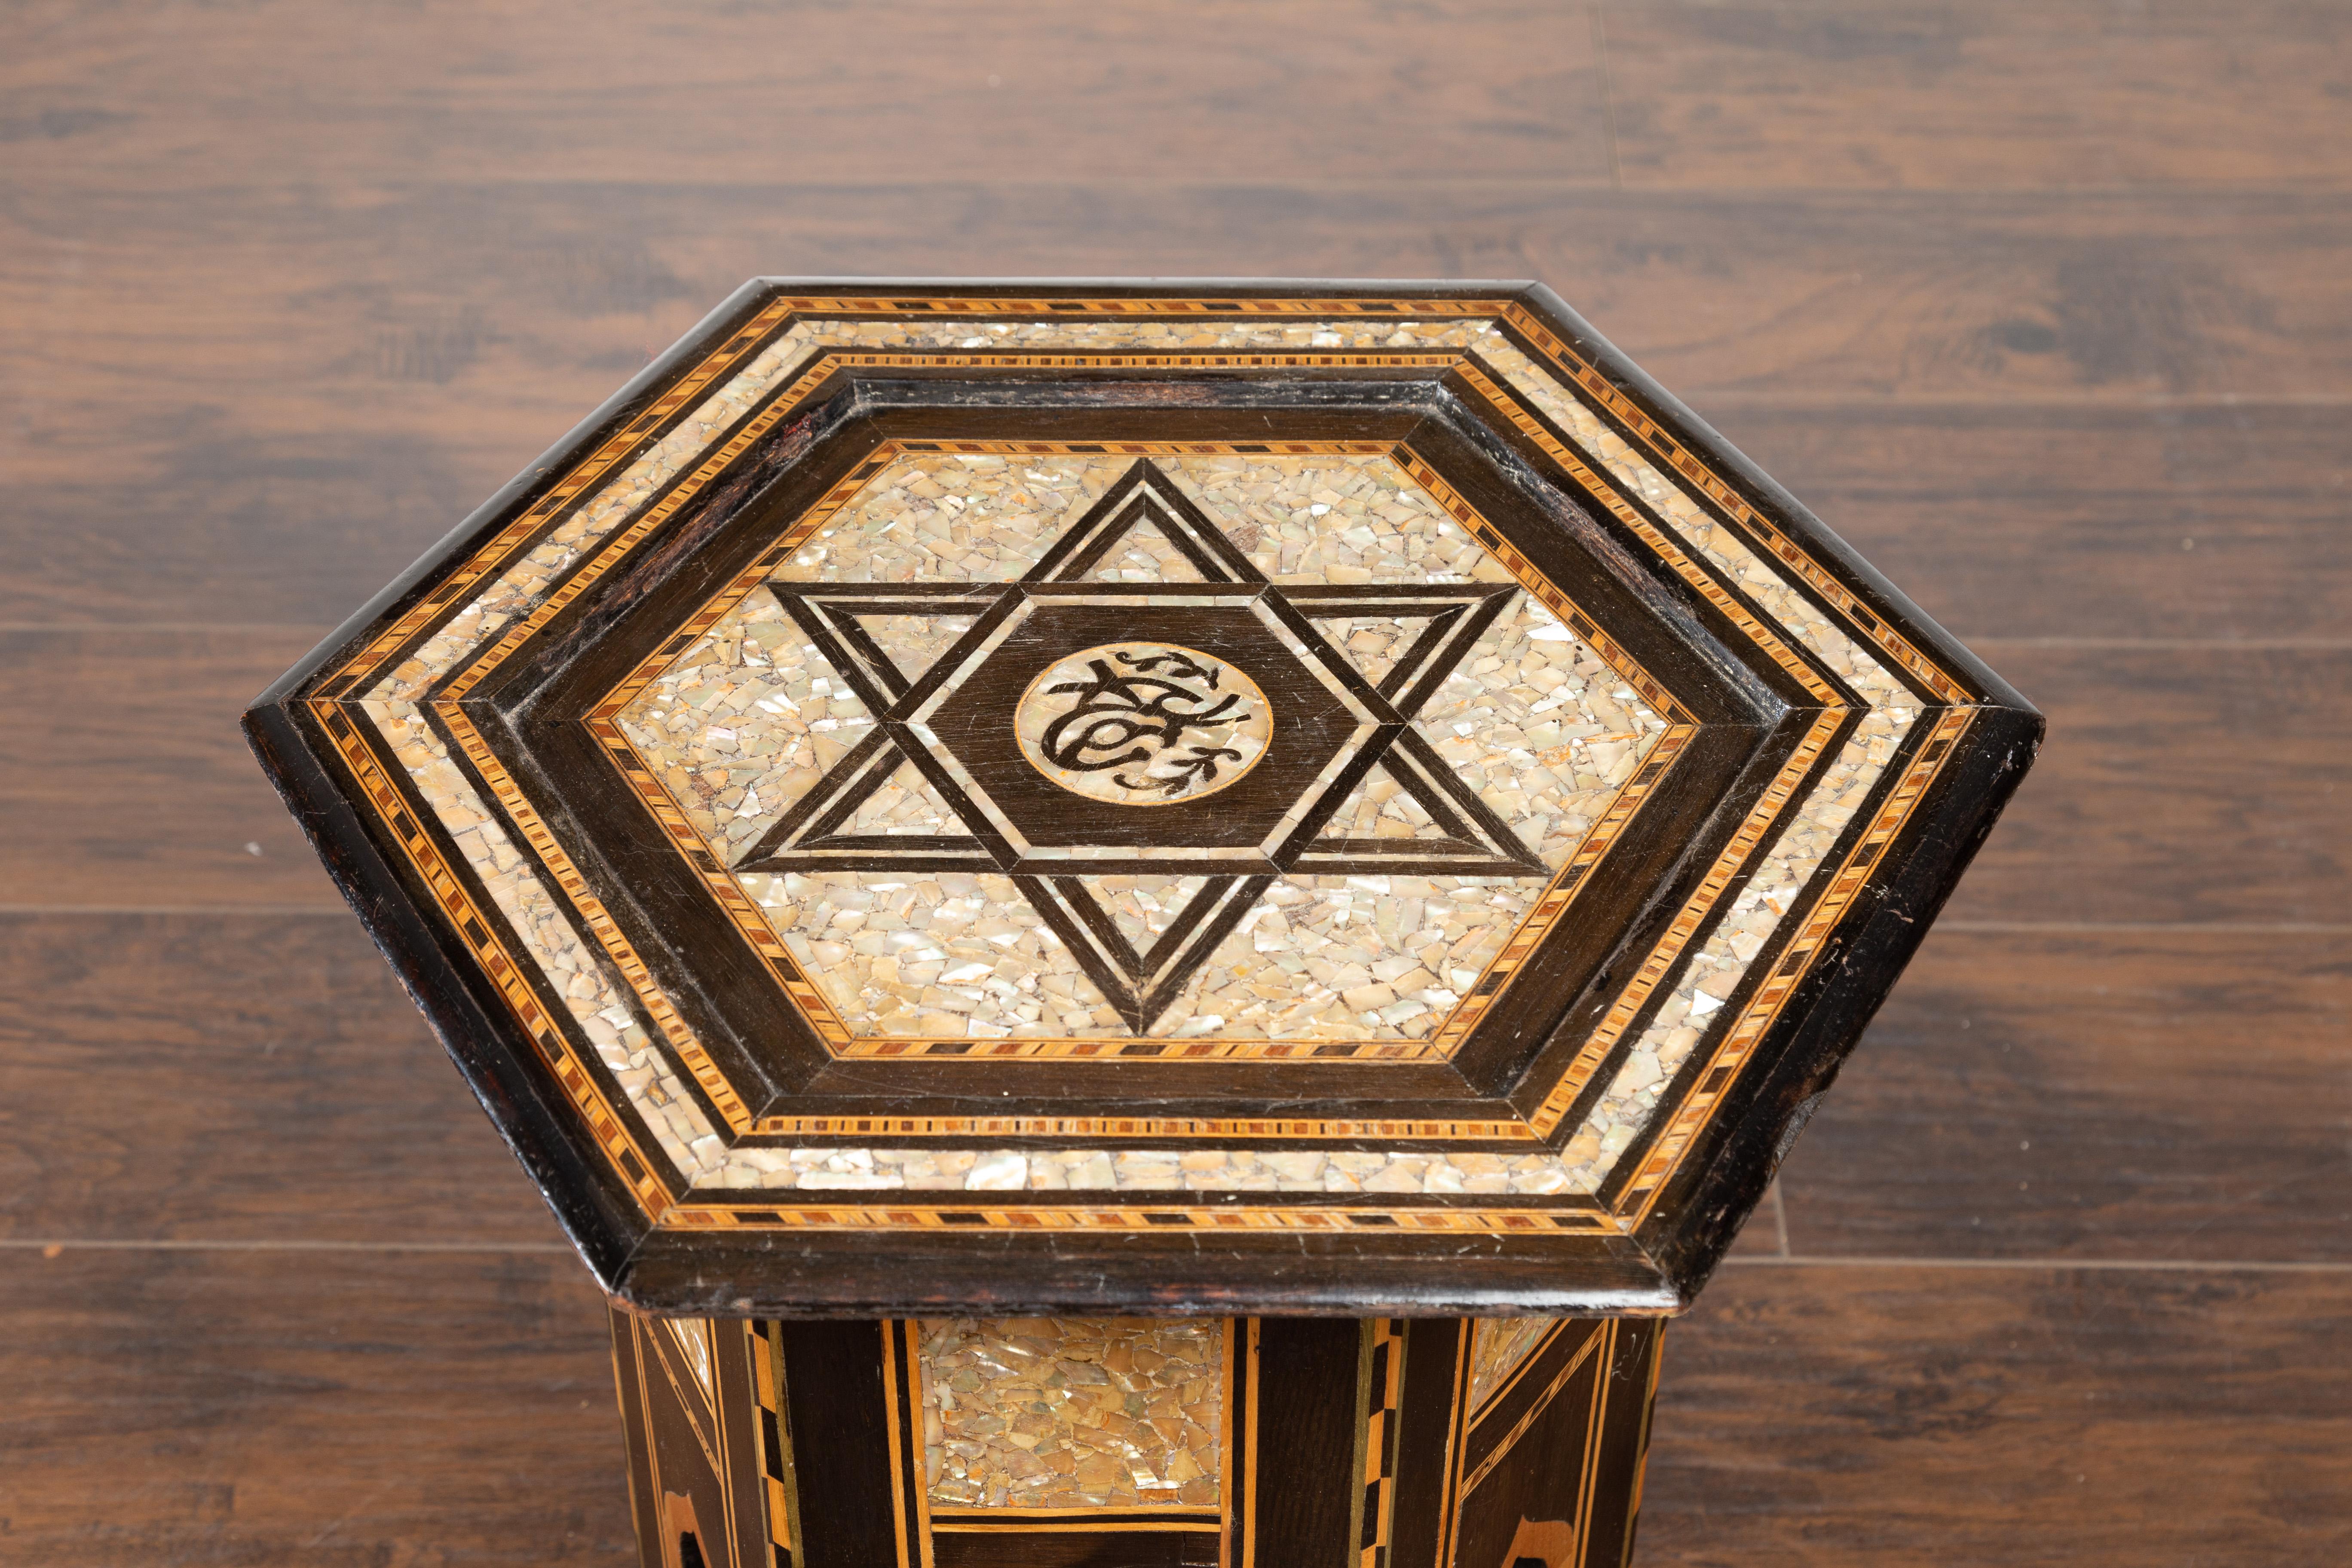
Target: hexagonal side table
(1144, 924)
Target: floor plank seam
(208, 911)
(56, 1246)
(52, 1246)
(103, 629)
(2215, 190)
(2253, 927)
(2202, 645)
(2061, 1265)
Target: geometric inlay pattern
(1152, 773)
(1316, 730)
(1161, 936)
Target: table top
(1220, 797)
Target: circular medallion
(1143, 723)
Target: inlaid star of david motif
(1206, 787)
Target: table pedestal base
(1133, 1443)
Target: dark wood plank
(896, 91)
(349, 1410)
(1875, 1417)
(2165, 1094)
(239, 1078)
(207, 436)
(2194, 523)
(2193, 783)
(1187, 1549)
(2023, 92)
(1865, 1416)
(124, 751)
(198, 984)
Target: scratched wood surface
(2040, 304)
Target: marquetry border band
(347, 681)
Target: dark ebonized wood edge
(1629, 898)
(1131, 403)
(835, 1383)
(1685, 644)
(1536, 474)
(494, 920)
(1720, 1180)
(1787, 936)
(997, 1273)
(1436, 1368)
(1308, 1480)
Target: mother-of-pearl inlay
(1143, 723)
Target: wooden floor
(2045, 304)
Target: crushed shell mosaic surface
(1394, 537)
(1497, 1348)
(1073, 1411)
(747, 721)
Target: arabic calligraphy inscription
(1143, 723)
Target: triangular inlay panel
(1381, 807)
(1144, 907)
(1145, 553)
(914, 643)
(906, 802)
(1374, 644)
